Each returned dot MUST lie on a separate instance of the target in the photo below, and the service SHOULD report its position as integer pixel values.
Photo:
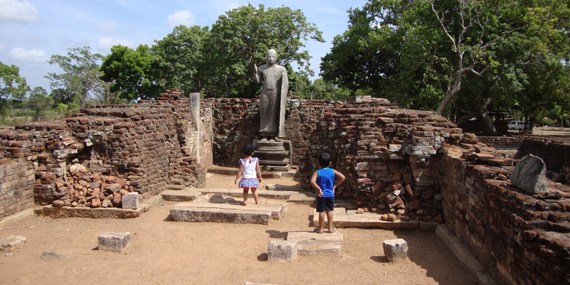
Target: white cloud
(109, 28)
(2, 47)
(330, 10)
(183, 17)
(33, 55)
(21, 11)
(105, 44)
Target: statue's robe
(272, 100)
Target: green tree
(241, 38)
(12, 86)
(38, 101)
(80, 74)
(131, 72)
(450, 55)
(180, 59)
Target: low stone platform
(309, 243)
(237, 192)
(180, 196)
(225, 213)
(350, 219)
(93, 213)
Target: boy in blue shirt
(325, 181)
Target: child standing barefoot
(249, 172)
(325, 180)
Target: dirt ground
(166, 252)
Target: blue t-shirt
(325, 180)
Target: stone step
(283, 187)
(175, 187)
(224, 213)
(309, 243)
(350, 219)
(270, 194)
(184, 195)
(302, 199)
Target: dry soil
(166, 252)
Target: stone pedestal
(274, 155)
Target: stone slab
(93, 213)
(216, 215)
(116, 242)
(178, 196)
(367, 220)
(302, 199)
(12, 242)
(276, 210)
(309, 243)
(282, 250)
(283, 187)
(270, 194)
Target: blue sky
(33, 30)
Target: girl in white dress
(250, 173)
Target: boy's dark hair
(324, 159)
(247, 149)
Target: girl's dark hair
(247, 149)
(324, 159)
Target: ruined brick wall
(144, 147)
(519, 238)
(556, 154)
(378, 146)
(16, 185)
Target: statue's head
(271, 56)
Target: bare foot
(243, 203)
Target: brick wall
(148, 145)
(373, 142)
(519, 238)
(556, 154)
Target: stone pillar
(195, 122)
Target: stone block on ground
(179, 196)
(255, 283)
(187, 212)
(130, 201)
(282, 250)
(395, 249)
(12, 242)
(47, 255)
(530, 175)
(116, 242)
(309, 243)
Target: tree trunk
(487, 124)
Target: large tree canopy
(180, 59)
(80, 74)
(452, 54)
(241, 38)
(132, 72)
(12, 86)
(217, 61)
